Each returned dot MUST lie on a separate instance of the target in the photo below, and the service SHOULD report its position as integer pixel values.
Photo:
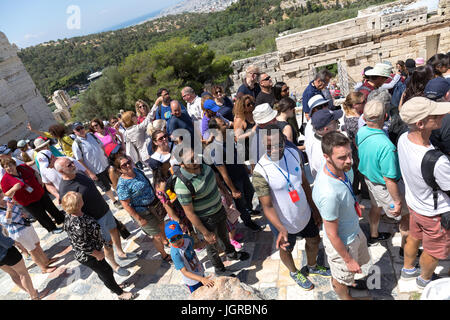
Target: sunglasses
(175, 238)
(162, 138)
(79, 128)
(250, 104)
(218, 91)
(70, 164)
(126, 164)
(266, 79)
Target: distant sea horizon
(133, 22)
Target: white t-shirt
(194, 109)
(309, 134)
(50, 175)
(293, 216)
(419, 196)
(315, 156)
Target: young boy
(184, 257)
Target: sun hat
(317, 100)
(381, 70)
(39, 143)
(418, 108)
(263, 113)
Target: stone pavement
(154, 279)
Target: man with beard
(161, 108)
(344, 242)
(285, 197)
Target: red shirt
(27, 179)
(364, 91)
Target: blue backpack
(398, 90)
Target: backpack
(80, 145)
(170, 184)
(397, 93)
(396, 127)
(427, 169)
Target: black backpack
(396, 127)
(170, 184)
(427, 168)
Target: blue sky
(29, 22)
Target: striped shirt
(207, 199)
(16, 217)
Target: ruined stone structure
(395, 31)
(63, 102)
(20, 100)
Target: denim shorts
(107, 223)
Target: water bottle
(391, 207)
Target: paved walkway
(158, 280)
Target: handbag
(123, 231)
(445, 220)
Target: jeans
(244, 203)
(105, 273)
(216, 224)
(38, 211)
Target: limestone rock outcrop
(227, 288)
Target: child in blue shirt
(184, 257)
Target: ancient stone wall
(388, 32)
(20, 101)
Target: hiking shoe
(241, 255)
(382, 236)
(253, 226)
(408, 275)
(319, 271)
(302, 281)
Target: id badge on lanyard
(358, 209)
(294, 196)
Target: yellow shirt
(65, 143)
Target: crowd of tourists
(188, 172)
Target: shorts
(194, 287)
(28, 238)
(153, 222)
(380, 197)
(357, 249)
(103, 181)
(107, 223)
(310, 231)
(435, 239)
(12, 257)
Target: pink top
(108, 138)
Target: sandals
(133, 296)
(124, 285)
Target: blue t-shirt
(309, 92)
(185, 256)
(335, 201)
(165, 113)
(379, 162)
(137, 189)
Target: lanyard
(346, 182)
(290, 185)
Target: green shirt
(378, 156)
(207, 199)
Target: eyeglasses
(162, 138)
(126, 164)
(70, 164)
(175, 238)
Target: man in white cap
(428, 208)
(375, 78)
(315, 104)
(263, 115)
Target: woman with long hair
(161, 149)
(439, 62)
(106, 135)
(142, 110)
(243, 121)
(416, 85)
(136, 138)
(225, 104)
(58, 132)
(401, 67)
(280, 91)
(286, 109)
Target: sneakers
(253, 226)
(118, 205)
(422, 283)
(302, 281)
(57, 230)
(382, 236)
(235, 244)
(409, 274)
(128, 255)
(241, 255)
(319, 271)
(122, 272)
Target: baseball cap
(366, 69)
(172, 229)
(22, 143)
(316, 100)
(4, 149)
(437, 88)
(321, 118)
(76, 125)
(418, 108)
(374, 110)
(263, 113)
(211, 105)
